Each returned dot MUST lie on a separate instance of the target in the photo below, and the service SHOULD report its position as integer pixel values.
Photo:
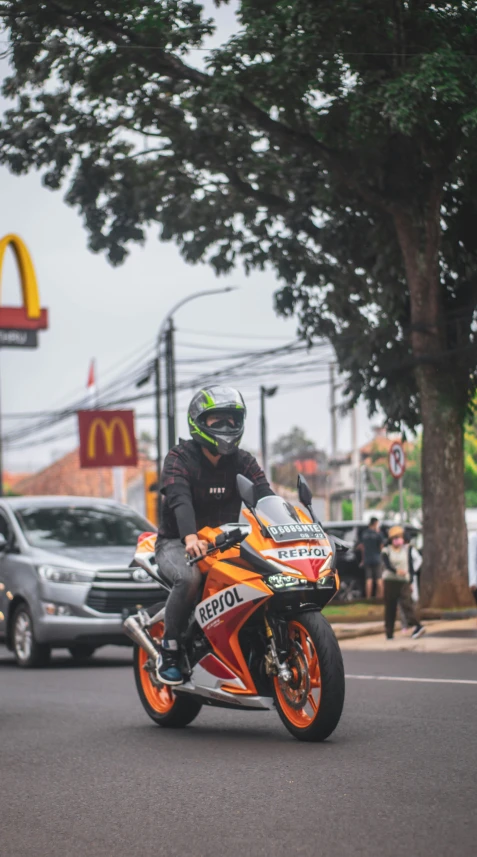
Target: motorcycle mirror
(247, 491)
(304, 493)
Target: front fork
(273, 665)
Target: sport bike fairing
(294, 541)
(231, 595)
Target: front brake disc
(296, 690)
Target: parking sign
(397, 459)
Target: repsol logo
(299, 553)
(218, 605)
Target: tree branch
(168, 63)
(270, 200)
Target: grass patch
(356, 612)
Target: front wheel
(160, 702)
(27, 650)
(310, 704)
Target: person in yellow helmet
(398, 564)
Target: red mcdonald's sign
(107, 439)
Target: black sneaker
(419, 630)
(167, 670)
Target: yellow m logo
(108, 430)
(31, 297)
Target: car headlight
(54, 574)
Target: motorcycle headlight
(328, 564)
(277, 582)
(55, 574)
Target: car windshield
(52, 527)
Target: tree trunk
(442, 389)
(444, 578)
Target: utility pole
(334, 442)
(357, 513)
(157, 385)
(166, 332)
(265, 393)
(334, 429)
(170, 386)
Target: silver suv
(65, 580)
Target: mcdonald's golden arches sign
(30, 317)
(107, 439)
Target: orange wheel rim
(161, 699)
(300, 699)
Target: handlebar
(222, 543)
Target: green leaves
(294, 145)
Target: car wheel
(81, 651)
(27, 650)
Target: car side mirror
(304, 493)
(247, 491)
(3, 543)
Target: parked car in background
(349, 563)
(65, 580)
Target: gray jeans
(185, 581)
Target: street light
(265, 393)
(166, 331)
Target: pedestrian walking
(415, 563)
(371, 543)
(400, 561)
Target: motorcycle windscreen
(283, 523)
(286, 529)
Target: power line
(228, 335)
(242, 365)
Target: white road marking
(409, 678)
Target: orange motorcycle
(257, 639)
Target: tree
(293, 445)
(331, 139)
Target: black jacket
(197, 493)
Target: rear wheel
(159, 701)
(310, 704)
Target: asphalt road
(84, 773)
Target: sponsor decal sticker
(218, 605)
(286, 554)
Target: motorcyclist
(198, 485)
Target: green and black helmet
(227, 404)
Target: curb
(345, 634)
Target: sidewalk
(452, 637)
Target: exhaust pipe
(133, 630)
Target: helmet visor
(224, 421)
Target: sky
(97, 311)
